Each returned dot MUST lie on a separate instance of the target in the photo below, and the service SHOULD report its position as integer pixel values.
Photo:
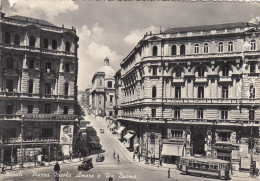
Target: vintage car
(86, 164)
(100, 158)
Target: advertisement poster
(66, 134)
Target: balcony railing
(194, 101)
(36, 49)
(50, 116)
(178, 80)
(201, 79)
(225, 79)
(191, 121)
(35, 141)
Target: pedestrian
(118, 158)
(257, 172)
(114, 155)
(169, 173)
(134, 156)
(57, 171)
(161, 161)
(151, 159)
(139, 157)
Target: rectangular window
(109, 84)
(111, 98)
(224, 92)
(47, 108)
(67, 67)
(200, 92)
(224, 114)
(48, 88)
(252, 67)
(224, 136)
(10, 85)
(30, 87)
(153, 113)
(200, 113)
(177, 112)
(65, 110)
(47, 132)
(154, 70)
(31, 64)
(30, 109)
(9, 108)
(252, 114)
(225, 71)
(177, 92)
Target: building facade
(38, 88)
(194, 90)
(102, 93)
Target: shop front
(171, 152)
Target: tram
(205, 167)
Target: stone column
(192, 88)
(234, 89)
(216, 88)
(209, 140)
(209, 88)
(188, 142)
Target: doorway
(198, 144)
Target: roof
(205, 159)
(32, 20)
(109, 71)
(207, 27)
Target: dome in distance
(109, 71)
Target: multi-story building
(102, 93)
(194, 90)
(38, 87)
(118, 94)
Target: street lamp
(21, 164)
(146, 155)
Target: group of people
(114, 156)
(255, 172)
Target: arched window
(252, 91)
(32, 41)
(48, 67)
(155, 51)
(253, 45)
(67, 48)
(196, 48)
(54, 44)
(154, 92)
(220, 47)
(182, 50)
(230, 46)
(201, 72)
(206, 48)
(17, 39)
(7, 37)
(174, 48)
(225, 71)
(30, 86)
(66, 89)
(45, 43)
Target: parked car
(102, 131)
(100, 158)
(86, 164)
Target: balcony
(48, 75)
(225, 79)
(201, 79)
(11, 72)
(37, 50)
(178, 80)
(14, 141)
(51, 117)
(11, 117)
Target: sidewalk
(47, 164)
(165, 166)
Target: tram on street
(205, 167)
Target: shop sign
(245, 163)
(226, 147)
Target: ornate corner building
(194, 90)
(38, 87)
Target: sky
(113, 28)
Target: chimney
(106, 61)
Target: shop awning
(83, 130)
(136, 145)
(113, 125)
(119, 131)
(128, 136)
(172, 150)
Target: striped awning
(119, 131)
(172, 150)
(128, 136)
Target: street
(126, 169)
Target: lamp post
(2, 155)
(21, 164)
(146, 155)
